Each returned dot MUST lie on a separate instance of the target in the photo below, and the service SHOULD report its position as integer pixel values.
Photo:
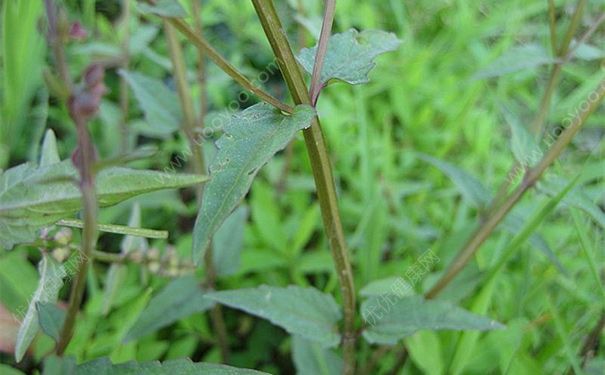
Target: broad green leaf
(470, 188)
(391, 319)
(51, 319)
(517, 58)
(350, 55)
(311, 359)
(425, 351)
(164, 8)
(32, 198)
(179, 299)
(300, 311)
(18, 280)
(250, 139)
(49, 153)
(387, 285)
(49, 284)
(159, 104)
(228, 242)
(67, 365)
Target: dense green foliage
(458, 97)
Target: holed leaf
(302, 311)
(390, 318)
(250, 139)
(350, 55)
(32, 198)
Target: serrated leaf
(164, 8)
(179, 299)
(51, 319)
(350, 55)
(517, 58)
(49, 284)
(228, 242)
(250, 139)
(300, 311)
(311, 359)
(32, 198)
(159, 104)
(67, 366)
(49, 153)
(389, 322)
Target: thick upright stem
(322, 172)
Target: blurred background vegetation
(464, 71)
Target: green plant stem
(200, 43)
(201, 62)
(199, 166)
(529, 180)
(322, 172)
(552, 26)
(117, 229)
(322, 48)
(576, 19)
(124, 100)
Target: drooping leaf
(228, 242)
(51, 319)
(164, 8)
(32, 198)
(517, 58)
(311, 359)
(67, 366)
(350, 55)
(49, 284)
(302, 311)
(251, 138)
(159, 104)
(391, 319)
(178, 300)
(49, 153)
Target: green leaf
(159, 104)
(32, 198)
(517, 58)
(311, 359)
(164, 8)
(426, 353)
(228, 242)
(179, 299)
(391, 319)
(67, 366)
(300, 311)
(350, 55)
(51, 319)
(384, 286)
(523, 144)
(471, 189)
(250, 139)
(49, 153)
(49, 284)
(7, 370)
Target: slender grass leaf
(301, 311)
(228, 242)
(32, 198)
(179, 299)
(49, 153)
(67, 365)
(588, 252)
(51, 319)
(49, 284)
(163, 8)
(391, 321)
(517, 58)
(350, 55)
(251, 138)
(160, 105)
(311, 359)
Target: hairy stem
(530, 179)
(322, 172)
(201, 43)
